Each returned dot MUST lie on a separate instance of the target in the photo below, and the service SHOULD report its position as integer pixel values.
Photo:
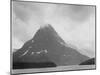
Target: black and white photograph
(49, 37)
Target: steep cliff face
(47, 46)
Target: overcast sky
(75, 24)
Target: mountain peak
(49, 32)
(47, 27)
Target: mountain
(47, 46)
(91, 61)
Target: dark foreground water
(20, 65)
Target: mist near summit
(75, 24)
